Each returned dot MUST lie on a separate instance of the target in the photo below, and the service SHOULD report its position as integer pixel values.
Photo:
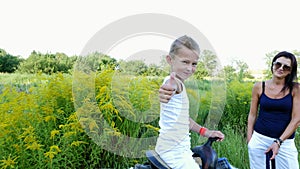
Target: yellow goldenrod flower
(68, 134)
(29, 130)
(34, 146)
(83, 120)
(47, 109)
(17, 147)
(3, 125)
(55, 148)
(61, 126)
(77, 143)
(29, 139)
(152, 127)
(114, 132)
(50, 154)
(53, 133)
(9, 162)
(73, 117)
(93, 125)
(59, 111)
(49, 118)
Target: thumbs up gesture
(167, 90)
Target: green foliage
(102, 61)
(155, 71)
(234, 147)
(238, 71)
(210, 61)
(201, 72)
(269, 57)
(47, 63)
(8, 63)
(40, 127)
(230, 73)
(133, 67)
(237, 104)
(139, 68)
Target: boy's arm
(167, 90)
(204, 131)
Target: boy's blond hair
(186, 41)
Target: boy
(173, 144)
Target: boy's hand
(167, 90)
(215, 133)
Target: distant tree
(154, 70)
(95, 62)
(63, 62)
(164, 66)
(242, 70)
(107, 62)
(297, 54)
(47, 63)
(239, 70)
(9, 63)
(268, 58)
(134, 67)
(201, 71)
(230, 73)
(211, 63)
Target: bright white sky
(242, 30)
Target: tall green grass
(41, 128)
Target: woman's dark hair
(289, 79)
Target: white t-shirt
(174, 135)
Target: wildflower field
(54, 121)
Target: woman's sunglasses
(284, 67)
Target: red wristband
(202, 131)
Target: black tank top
(274, 115)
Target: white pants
(287, 157)
(182, 160)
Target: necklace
(272, 86)
(274, 90)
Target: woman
(275, 115)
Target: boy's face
(184, 63)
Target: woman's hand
(275, 148)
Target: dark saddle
(155, 160)
(208, 157)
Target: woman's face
(282, 67)
(184, 63)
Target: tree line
(208, 65)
